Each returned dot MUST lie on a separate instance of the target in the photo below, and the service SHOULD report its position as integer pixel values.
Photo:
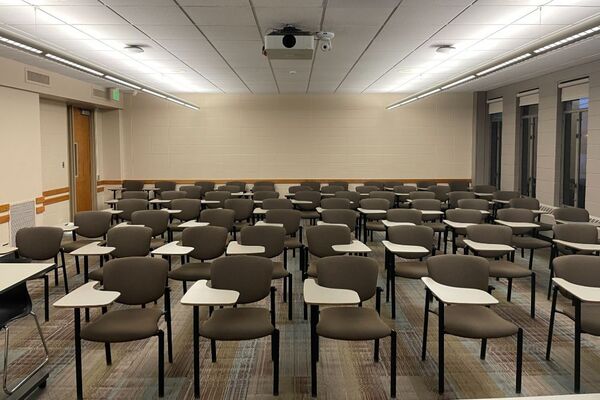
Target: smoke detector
(445, 48)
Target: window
(495, 148)
(528, 141)
(574, 152)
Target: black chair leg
(161, 363)
(441, 348)
(107, 353)
(184, 284)
(425, 324)
(532, 295)
(519, 359)
(376, 350)
(65, 279)
(55, 271)
(213, 350)
(393, 288)
(275, 340)
(77, 265)
(509, 291)
(46, 299)
(531, 259)
(551, 324)
(483, 348)
(284, 292)
(290, 283)
(393, 365)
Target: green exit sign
(115, 94)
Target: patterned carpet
(346, 369)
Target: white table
(403, 248)
(479, 246)
(238, 194)
(258, 201)
(125, 225)
(259, 211)
(458, 225)
(355, 247)
(389, 224)
(314, 294)
(484, 212)
(579, 246)
(6, 249)
(321, 223)
(156, 203)
(364, 212)
(172, 249)
(92, 249)
(458, 295)
(431, 212)
(511, 224)
(192, 224)
(503, 202)
(170, 211)
(234, 248)
(115, 190)
(562, 221)
(112, 211)
(263, 223)
(111, 202)
(294, 201)
(479, 194)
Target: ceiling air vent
(99, 93)
(37, 78)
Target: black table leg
(196, 334)
(78, 372)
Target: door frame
(532, 150)
(72, 182)
(563, 156)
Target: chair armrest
(586, 294)
(173, 249)
(87, 296)
(200, 294)
(403, 248)
(320, 295)
(479, 246)
(234, 248)
(457, 295)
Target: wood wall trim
(109, 182)
(40, 210)
(39, 200)
(295, 180)
(56, 199)
(4, 208)
(54, 192)
(4, 219)
(99, 189)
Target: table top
(517, 224)
(578, 246)
(562, 221)
(500, 201)
(480, 194)
(173, 249)
(479, 246)
(458, 225)
(258, 201)
(210, 201)
(238, 194)
(234, 248)
(259, 210)
(320, 295)
(369, 211)
(159, 201)
(170, 211)
(457, 295)
(12, 274)
(389, 224)
(114, 189)
(294, 201)
(355, 247)
(6, 249)
(263, 223)
(485, 212)
(87, 296)
(321, 223)
(125, 225)
(112, 211)
(402, 194)
(112, 201)
(200, 294)
(192, 224)
(431, 212)
(584, 293)
(150, 189)
(403, 248)
(92, 249)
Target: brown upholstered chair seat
(375, 226)
(292, 243)
(544, 226)
(507, 269)
(155, 243)
(310, 214)
(590, 317)
(238, 225)
(351, 323)
(476, 322)
(278, 270)
(242, 323)
(123, 325)
(71, 246)
(191, 272)
(411, 269)
(460, 242)
(96, 275)
(312, 270)
(436, 226)
(567, 250)
(529, 242)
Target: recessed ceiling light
(22, 46)
(153, 93)
(74, 64)
(122, 82)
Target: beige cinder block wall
(297, 136)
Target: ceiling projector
(291, 43)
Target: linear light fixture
(530, 53)
(65, 60)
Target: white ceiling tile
(558, 15)
(307, 18)
(119, 32)
(145, 15)
(178, 32)
(118, 3)
(348, 16)
(580, 3)
(227, 16)
(21, 15)
(526, 31)
(84, 15)
(494, 15)
(287, 3)
(52, 32)
(467, 31)
(62, 2)
(231, 33)
(362, 4)
(213, 3)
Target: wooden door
(82, 159)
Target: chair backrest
(440, 192)
(340, 216)
(129, 184)
(271, 237)
(140, 280)
(190, 209)
(309, 195)
(493, 234)
(337, 203)
(366, 189)
(571, 214)
(455, 197)
(172, 195)
(219, 196)
(484, 189)
(516, 215)
(129, 206)
(466, 216)
(229, 188)
(331, 189)
(298, 188)
(418, 235)
(375, 204)
(206, 186)
(578, 233)
(459, 186)
(265, 194)
(421, 194)
(312, 185)
(218, 217)
(277, 204)
(263, 188)
(243, 208)
(405, 215)
(427, 204)
(92, 224)
(578, 269)
(135, 194)
(209, 242)
(248, 275)
(349, 272)
(241, 185)
(129, 241)
(320, 238)
(192, 192)
(506, 195)
(425, 184)
(39, 242)
(354, 197)
(289, 218)
(529, 203)
(157, 220)
(164, 186)
(474, 204)
(339, 183)
(14, 302)
(380, 194)
(404, 189)
(459, 271)
(378, 185)
(391, 184)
